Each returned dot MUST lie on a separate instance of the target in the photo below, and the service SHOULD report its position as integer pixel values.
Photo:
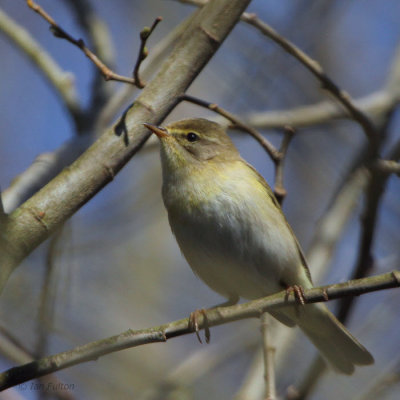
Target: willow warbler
(232, 232)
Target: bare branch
(314, 67)
(47, 165)
(374, 192)
(215, 316)
(143, 52)
(96, 29)
(42, 214)
(125, 93)
(62, 34)
(388, 166)
(279, 189)
(269, 357)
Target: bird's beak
(159, 131)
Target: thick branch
(215, 316)
(37, 218)
(39, 173)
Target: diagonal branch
(47, 165)
(35, 220)
(215, 316)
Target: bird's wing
(276, 204)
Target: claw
(298, 292)
(194, 324)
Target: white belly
(232, 248)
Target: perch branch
(215, 316)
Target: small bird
(232, 231)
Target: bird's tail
(335, 343)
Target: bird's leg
(194, 323)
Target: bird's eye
(192, 137)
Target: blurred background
(115, 265)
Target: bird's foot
(298, 292)
(194, 324)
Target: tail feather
(335, 343)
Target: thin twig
(313, 66)
(269, 357)
(143, 52)
(95, 28)
(125, 93)
(316, 69)
(215, 316)
(238, 124)
(388, 166)
(279, 190)
(62, 34)
(374, 193)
